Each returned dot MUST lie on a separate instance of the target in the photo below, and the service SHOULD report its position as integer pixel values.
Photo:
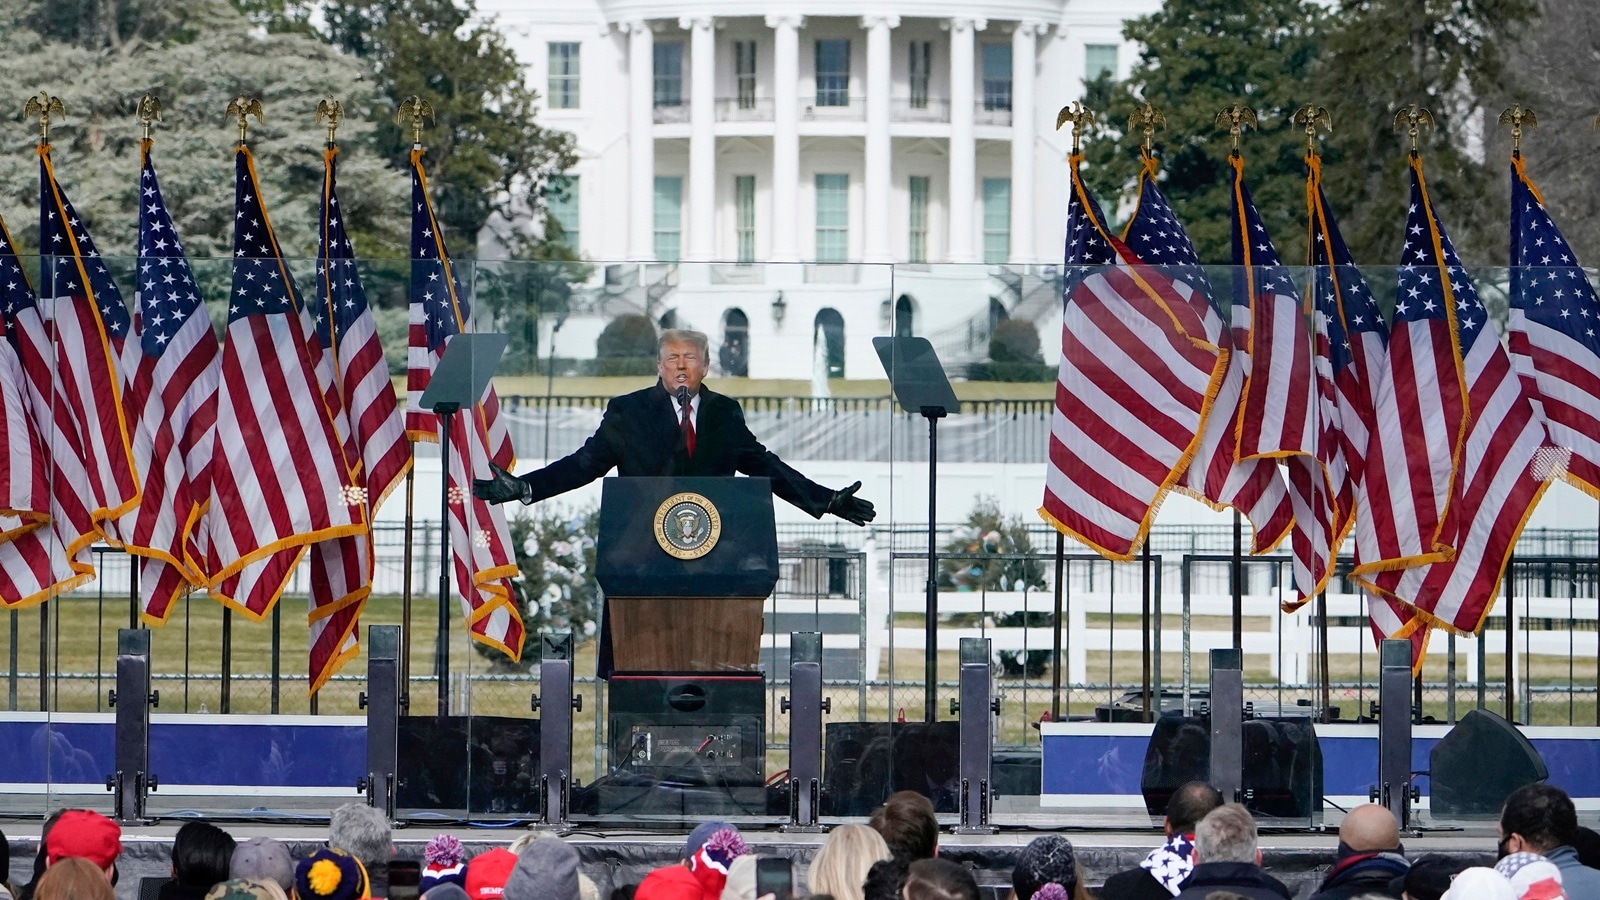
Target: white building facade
(753, 136)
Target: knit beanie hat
(701, 834)
(1047, 860)
(330, 874)
(1479, 883)
(546, 870)
(444, 860)
(265, 859)
(710, 863)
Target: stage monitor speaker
(1478, 764)
(1282, 764)
(478, 764)
(865, 762)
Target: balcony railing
(990, 113)
(852, 110)
(920, 109)
(744, 109)
(671, 112)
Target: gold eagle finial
(413, 110)
(149, 111)
(1312, 119)
(1412, 118)
(44, 106)
(1147, 119)
(1235, 118)
(332, 110)
(243, 107)
(1518, 117)
(1080, 116)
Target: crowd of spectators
(1210, 851)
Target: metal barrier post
(132, 700)
(805, 729)
(1394, 788)
(1227, 723)
(976, 706)
(555, 707)
(382, 701)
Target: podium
(686, 564)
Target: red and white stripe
(1562, 377)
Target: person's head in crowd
(1047, 860)
(247, 889)
(885, 880)
(74, 878)
(1479, 883)
(363, 832)
(840, 866)
(699, 836)
(262, 859)
(741, 882)
(86, 835)
(1427, 879)
(1537, 818)
(1369, 828)
(545, 870)
(1227, 834)
(908, 826)
(443, 860)
(711, 862)
(488, 872)
(201, 855)
(939, 879)
(1587, 843)
(1532, 876)
(623, 892)
(1188, 805)
(674, 882)
(445, 890)
(5, 865)
(330, 874)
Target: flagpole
(405, 584)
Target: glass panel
(1099, 59)
(564, 74)
(996, 76)
(668, 73)
(744, 190)
(744, 59)
(918, 196)
(833, 72)
(833, 218)
(996, 220)
(561, 203)
(921, 69)
(668, 217)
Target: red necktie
(686, 425)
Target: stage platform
(1106, 841)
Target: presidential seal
(687, 525)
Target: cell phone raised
(775, 876)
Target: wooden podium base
(685, 634)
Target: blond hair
(840, 867)
(74, 878)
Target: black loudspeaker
(1282, 764)
(1477, 766)
(686, 745)
(480, 764)
(865, 762)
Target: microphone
(683, 395)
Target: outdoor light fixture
(779, 309)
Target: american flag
(1505, 463)
(1215, 474)
(1555, 319)
(34, 561)
(280, 481)
(91, 322)
(1403, 501)
(171, 406)
(1277, 413)
(1136, 368)
(480, 541)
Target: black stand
(458, 382)
(920, 385)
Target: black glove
(847, 506)
(502, 487)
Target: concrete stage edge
(615, 858)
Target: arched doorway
(668, 320)
(734, 355)
(828, 335)
(904, 315)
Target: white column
(963, 148)
(1024, 50)
(785, 136)
(878, 163)
(702, 227)
(641, 140)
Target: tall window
(744, 72)
(734, 354)
(564, 74)
(561, 204)
(996, 76)
(833, 218)
(669, 73)
(833, 72)
(1099, 59)
(918, 249)
(668, 218)
(827, 333)
(744, 198)
(921, 69)
(996, 220)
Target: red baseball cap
(488, 873)
(90, 835)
